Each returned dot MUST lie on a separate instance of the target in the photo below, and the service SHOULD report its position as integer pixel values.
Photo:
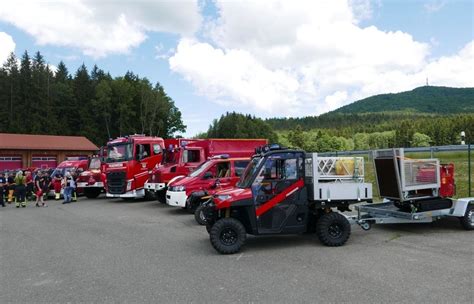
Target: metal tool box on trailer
(414, 181)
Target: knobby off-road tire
(199, 215)
(92, 192)
(228, 236)
(467, 221)
(333, 229)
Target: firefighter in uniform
(57, 182)
(10, 187)
(20, 189)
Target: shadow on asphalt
(445, 225)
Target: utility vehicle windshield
(246, 178)
(119, 152)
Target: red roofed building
(41, 151)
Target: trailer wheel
(467, 221)
(91, 192)
(228, 235)
(333, 229)
(199, 215)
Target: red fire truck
(128, 164)
(78, 164)
(218, 173)
(91, 181)
(182, 159)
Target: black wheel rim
(229, 236)
(335, 230)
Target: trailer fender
(460, 206)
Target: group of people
(22, 186)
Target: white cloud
(7, 45)
(277, 58)
(101, 27)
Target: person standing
(57, 183)
(3, 183)
(20, 189)
(40, 185)
(74, 190)
(10, 187)
(68, 183)
(30, 185)
(48, 182)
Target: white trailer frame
(388, 213)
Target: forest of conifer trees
(37, 100)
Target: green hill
(383, 112)
(427, 99)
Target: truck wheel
(199, 215)
(149, 195)
(467, 221)
(333, 229)
(228, 235)
(92, 193)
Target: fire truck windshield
(94, 163)
(246, 178)
(170, 156)
(119, 152)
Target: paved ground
(116, 251)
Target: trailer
(413, 191)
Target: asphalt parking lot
(119, 251)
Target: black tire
(189, 206)
(91, 192)
(150, 195)
(208, 228)
(333, 229)
(467, 221)
(161, 196)
(228, 236)
(199, 215)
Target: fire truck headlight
(129, 185)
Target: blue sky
(264, 59)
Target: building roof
(45, 142)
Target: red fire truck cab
(218, 173)
(129, 161)
(184, 158)
(92, 180)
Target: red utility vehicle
(128, 164)
(218, 173)
(182, 159)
